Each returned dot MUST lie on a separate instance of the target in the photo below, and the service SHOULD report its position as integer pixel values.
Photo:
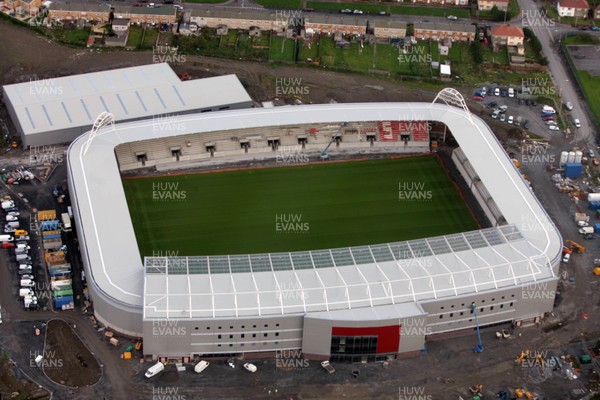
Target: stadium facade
(359, 303)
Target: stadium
(347, 296)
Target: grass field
(295, 208)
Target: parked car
(477, 98)
(11, 218)
(250, 367)
(526, 124)
(511, 92)
(14, 213)
(548, 118)
(503, 93)
(591, 153)
(357, 12)
(527, 102)
(346, 11)
(9, 229)
(7, 245)
(492, 104)
(502, 117)
(11, 209)
(577, 123)
(533, 103)
(177, 7)
(21, 237)
(497, 92)
(553, 128)
(483, 91)
(596, 28)
(551, 122)
(566, 258)
(569, 105)
(452, 17)
(510, 119)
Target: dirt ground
(444, 373)
(69, 362)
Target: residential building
(485, 5)
(441, 31)
(233, 19)
(597, 12)
(120, 26)
(385, 28)
(507, 35)
(573, 8)
(331, 23)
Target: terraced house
(92, 12)
(485, 5)
(238, 20)
(346, 24)
(389, 29)
(436, 31)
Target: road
(548, 32)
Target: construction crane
(478, 348)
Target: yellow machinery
(575, 246)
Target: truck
(586, 230)
(66, 222)
(328, 367)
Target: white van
(155, 369)
(27, 283)
(25, 292)
(22, 250)
(23, 257)
(13, 224)
(548, 109)
(6, 238)
(201, 366)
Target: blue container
(597, 228)
(61, 301)
(595, 205)
(57, 273)
(573, 170)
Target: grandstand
(356, 303)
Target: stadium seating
(193, 147)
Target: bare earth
(24, 56)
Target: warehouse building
(58, 110)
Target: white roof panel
(129, 93)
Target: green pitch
(295, 208)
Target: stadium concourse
(360, 303)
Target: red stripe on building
(388, 337)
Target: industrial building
(57, 110)
(359, 303)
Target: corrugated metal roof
(128, 93)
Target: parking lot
(525, 113)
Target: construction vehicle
(597, 271)
(478, 348)
(525, 354)
(185, 76)
(334, 137)
(476, 390)
(575, 246)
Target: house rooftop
(573, 4)
(508, 30)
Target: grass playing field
(295, 208)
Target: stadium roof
(128, 93)
(525, 251)
(340, 279)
